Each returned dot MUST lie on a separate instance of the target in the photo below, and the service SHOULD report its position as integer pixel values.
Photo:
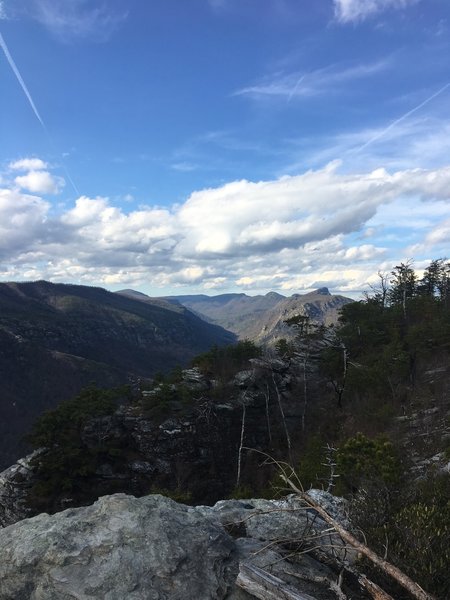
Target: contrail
(72, 183)
(402, 118)
(294, 89)
(16, 72)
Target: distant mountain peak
(262, 318)
(323, 291)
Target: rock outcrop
(121, 547)
(193, 452)
(152, 548)
(15, 483)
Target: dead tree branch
(406, 582)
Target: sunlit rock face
(121, 547)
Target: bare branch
(410, 585)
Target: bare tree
(380, 292)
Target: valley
(56, 339)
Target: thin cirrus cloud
(350, 11)
(290, 233)
(68, 19)
(303, 85)
(406, 115)
(416, 139)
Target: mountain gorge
(55, 339)
(260, 318)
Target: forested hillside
(386, 442)
(262, 319)
(55, 339)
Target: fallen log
(373, 589)
(263, 585)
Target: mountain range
(262, 318)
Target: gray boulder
(120, 547)
(151, 548)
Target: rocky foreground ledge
(152, 548)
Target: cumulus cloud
(292, 234)
(22, 221)
(358, 10)
(40, 182)
(437, 238)
(28, 164)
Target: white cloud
(437, 240)
(292, 233)
(415, 142)
(69, 19)
(40, 182)
(22, 220)
(347, 11)
(301, 85)
(28, 164)
(184, 167)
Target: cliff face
(320, 306)
(261, 318)
(193, 453)
(56, 339)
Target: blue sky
(179, 146)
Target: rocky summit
(152, 548)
